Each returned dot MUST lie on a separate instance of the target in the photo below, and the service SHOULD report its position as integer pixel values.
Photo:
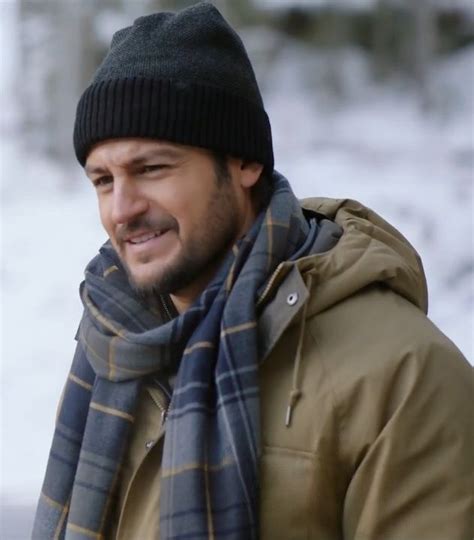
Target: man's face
(168, 215)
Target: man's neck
(184, 299)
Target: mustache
(145, 223)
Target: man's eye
(153, 168)
(102, 181)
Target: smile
(150, 243)
(141, 239)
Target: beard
(201, 254)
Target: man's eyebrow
(93, 170)
(167, 153)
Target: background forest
(368, 99)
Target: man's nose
(128, 201)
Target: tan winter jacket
(367, 408)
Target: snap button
(292, 298)
(149, 444)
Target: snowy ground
(414, 169)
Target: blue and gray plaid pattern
(210, 482)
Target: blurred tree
(424, 46)
(59, 51)
(335, 30)
(383, 38)
(75, 52)
(405, 40)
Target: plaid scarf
(209, 469)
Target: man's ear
(250, 172)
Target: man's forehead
(130, 152)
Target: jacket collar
(291, 291)
(281, 311)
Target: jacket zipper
(162, 403)
(166, 307)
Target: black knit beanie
(184, 78)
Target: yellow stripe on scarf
(199, 345)
(87, 532)
(80, 382)
(110, 410)
(238, 328)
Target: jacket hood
(355, 248)
(369, 251)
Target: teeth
(143, 238)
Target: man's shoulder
(377, 351)
(365, 359)
(380, 328)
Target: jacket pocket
(286, 483)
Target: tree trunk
(381, 39)
(424, 43)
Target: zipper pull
(164, 414)
(162, 398)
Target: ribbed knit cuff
(190, 114)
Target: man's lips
(147, 243)
(143, 236)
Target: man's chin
(170, 277)
(140, 276)
(154, 281)
(144, 282)
(145, 272)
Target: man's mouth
(145, 237)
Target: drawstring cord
(296, 392)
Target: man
(247, 367)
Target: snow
(413, 168)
